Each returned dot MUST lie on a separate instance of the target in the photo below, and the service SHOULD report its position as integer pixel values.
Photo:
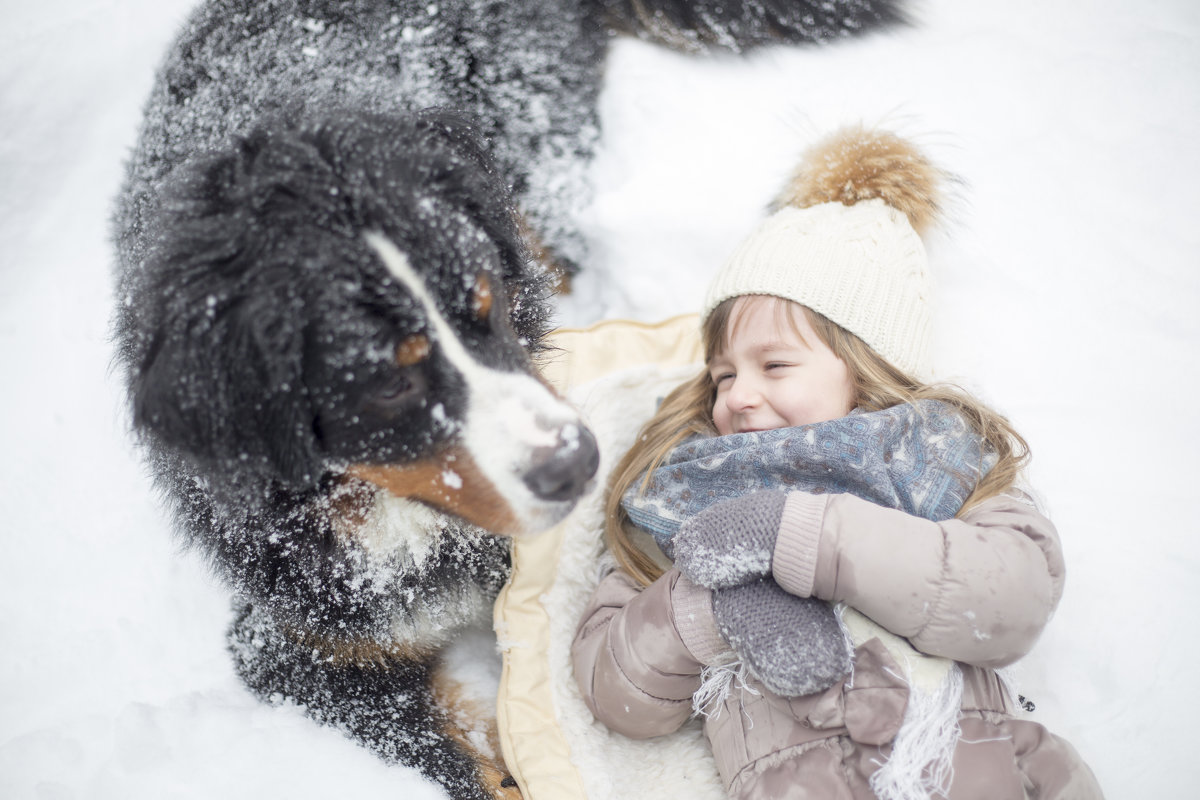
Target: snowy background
(1069, 281)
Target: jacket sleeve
(977, 589)
(634, 669)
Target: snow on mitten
(730, 542)
(794, 645)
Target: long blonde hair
(687, 411)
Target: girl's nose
(743, 394)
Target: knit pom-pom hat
(845, 241)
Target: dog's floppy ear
(165, 391)
(232, 393)
(267, 383)
(217, 371)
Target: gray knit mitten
(794, 645)
(730, 542)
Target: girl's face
(774, 372)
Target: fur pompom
(856, 164)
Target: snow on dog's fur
(327, 315)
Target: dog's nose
(563, 471)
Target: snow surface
(1066, 298)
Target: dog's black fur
(328, 307)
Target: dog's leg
(472, 723)
(385, 702)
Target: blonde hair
(687, 411)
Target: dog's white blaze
(509, 415)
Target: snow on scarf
(922, 458)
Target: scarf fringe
(921, 764)
(717, 681)
(839, 611)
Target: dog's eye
(396, 391)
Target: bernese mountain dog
(334, 244)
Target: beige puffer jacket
(978, 590)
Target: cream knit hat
(841, 247)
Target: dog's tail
(739, 25)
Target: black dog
(328, 309)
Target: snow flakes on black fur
(739, 26)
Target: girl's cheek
(720, 418)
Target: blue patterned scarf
(923, 458)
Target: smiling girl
(811, 463)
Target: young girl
(895, 500)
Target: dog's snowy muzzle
(520, 465)
(561, 473)
(531, 447)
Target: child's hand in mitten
(794, 645)
(730, 542)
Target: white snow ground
(1069, 283)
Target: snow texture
(1067, 287)
(500, 75)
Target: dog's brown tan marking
(481, 297)
(413, 350)
(360, 652)
(350, 502)
(450, 482)
(473, 727)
